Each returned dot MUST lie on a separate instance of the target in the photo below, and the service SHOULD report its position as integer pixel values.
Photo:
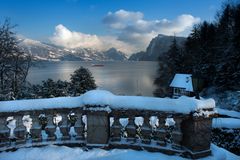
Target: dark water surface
(126, 78)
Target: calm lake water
(126, 78)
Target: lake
(124, 78)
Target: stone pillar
(98, 128)
(197, 136)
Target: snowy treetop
(105, 98)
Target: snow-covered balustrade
(99, 118)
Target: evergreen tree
(50, 88)
(169, 64)
(174, 56)
(82, 81)
(164, 75)
(227, 76)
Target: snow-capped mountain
(48, 52)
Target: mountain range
(41, 51)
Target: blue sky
(128, 24)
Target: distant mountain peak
(50, 52)
(157, 46)
(30, 42)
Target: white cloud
(134, 22)
(72, 39)
(130, 32)
(132, 28)
(119, 19)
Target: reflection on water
(126, 78)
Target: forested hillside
(211, 52)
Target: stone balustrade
(158, 131)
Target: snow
(106, 109)
(58, 133)
(123, 121)
(182, 81)
(169, 122)
(57, 118)
(225, 123)
(154, 121)
(202, 113)
(105, 98)
(72, 132)
(27, 122)
(39, 104)
(44, 135)
(229, 113)
(139, 121)
(62, 152)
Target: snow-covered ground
(65, 153)
(233, 122)
(229, 113)
(226, 123)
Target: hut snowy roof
(182, 81)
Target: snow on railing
(99, 118)
(104, 98)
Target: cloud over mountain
(72, 39)
(130, 32)
(131, 27)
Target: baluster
(11, 124)
(20, 131)
(72, 118)
(57, 120)
(154, 125)
(43, 121)
(36, 128)
(138, 123)
(161, 132)
(79, 126)
(123, 121)
(85, 129)
(50, 128)
(131, 129)
(5, 131)
(146, 130)
(27, 122)
(116, 129)
(169, 125)
(65, 127)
